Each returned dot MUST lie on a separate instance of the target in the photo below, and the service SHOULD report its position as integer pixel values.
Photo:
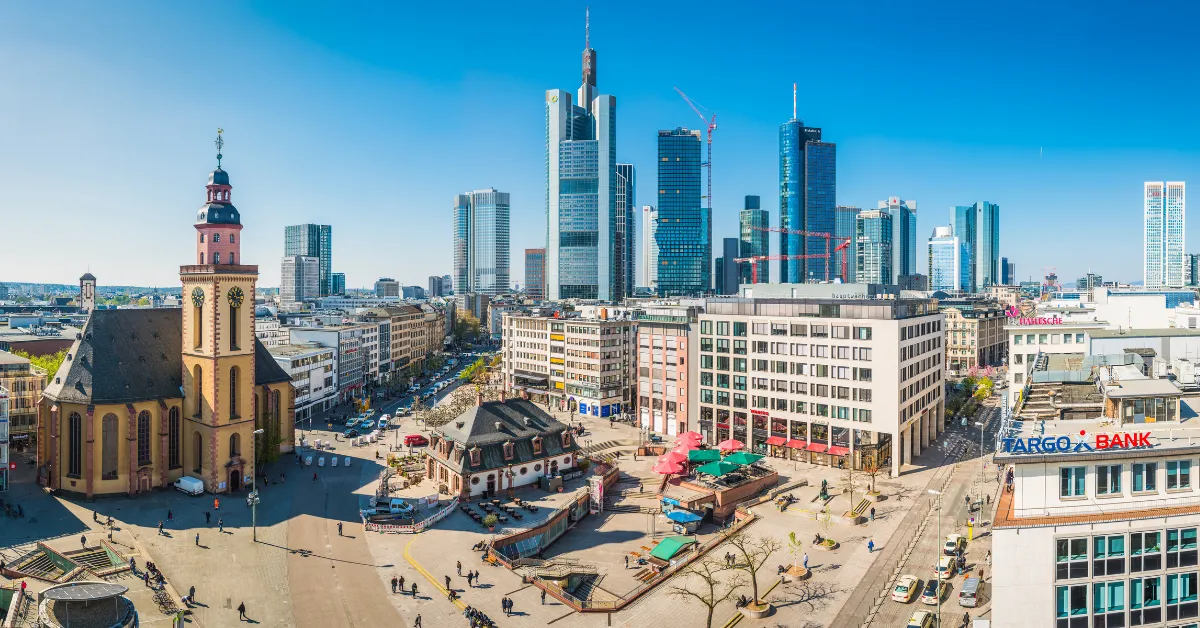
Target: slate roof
(494, 423)
(123, 356)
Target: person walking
(83, 540)
(543, 597)
(417, 623)
(170, 515)
(393, 584)
(476, 577)
(806, 561)
(459, 565)
(414, 589)
(221, 524)
(314, 476)
(988, 558)
(470, 576)
(160, 527)
(447, 583)
(400, 585)
(216, 503)
(207, 518)
(241, 611)
(627, 561)
(871, 546)
(339, 528)
(197, 539)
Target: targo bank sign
(1063, 444)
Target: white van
(189, 485)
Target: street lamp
(938, 499)
(981, 463)
(254, 490)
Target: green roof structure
(670, 546)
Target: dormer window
(508, 450)
(537, 445)
(566, 439)
(474, 456)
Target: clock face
(236, 297)
(198, 297)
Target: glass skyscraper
(844, 217)
(873, 231)
(649, 248)
(977, 228)
(754, 241)
(481, 242)
(311, 240)
(535, 274)
(807, 197)
(904, 236)
(581, 190)
(461, 227)
(1163, 240)
(726, 276)
(944, 260)
(624, 241)
(684, 235)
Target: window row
(1133, 602)
(1143, 477)
(1116, 554)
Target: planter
(798, 572)
(828, 545)
(758, 610)
(876, 496)
(491, 528)
(851, 518)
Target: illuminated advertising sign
(1015, 318)
(1063, 444)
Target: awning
(683, 516)
(835, 450)
(670, 546)
(796, 444)
(777, 441)
(817, 447)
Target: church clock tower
(218, 345)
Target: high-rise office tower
(387, 287)
(535, 274)
(873, 231)
(754, 241)
(313, 241)
(481, 242)
(1089, 281)
(807, 197)
(904, 236)
(1191, 264)
(1012, 274)
(726, 275)
(649, 248)
(684, 230)
(977, 228)
(624, 242)
(1165, 204)
(581, 189)
(339, 284)
(945, 273)
(1005, 278)
(843, 229)
(300, 280)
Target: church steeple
(218, 223)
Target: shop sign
(760, 412)
(1067, 444)
(1015, 318)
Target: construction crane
(712, 126)
(829, 237)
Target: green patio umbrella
(743, 458)
(704, 455)
(717, 469)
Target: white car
(953, 543)
(905, 589)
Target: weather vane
(220, 144)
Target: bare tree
(756, 550)
(705, 581)
(871, 468)
(849, 483)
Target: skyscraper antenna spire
(587, 28)
(793, 101)
(220, 144)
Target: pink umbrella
(673, 456)
(731, 445)
(683, 448)
(667, 467)
(691, 436)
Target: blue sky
(371, 116)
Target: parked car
(353, 432)
(906, 586)
(934, 590)
(404, 411)
(945, 568)
(954, 542)
(384, 423)
(415, 440)
(969, 596)
(189, 485)
(921, 619)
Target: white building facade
(1163, 214)
(313, 369)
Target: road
(961, 448)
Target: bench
(861, 507)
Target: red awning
(796, 444)
(838, 451)
(817, 447)
(776, 440)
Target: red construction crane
(843, 247)
(816, 234)
(712, 126)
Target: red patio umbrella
(674, 456)
(683, 448)
(730, 445)
(667, 467)
(689, 436)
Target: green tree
(50, 362)
(466, 328)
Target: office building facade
(339, 284)
(807, 197)
(873, 231)
(726, 276)
(300, 280)
(754, 241)
(844, 229)
(316, 241)
(904, 236)
(649, 248)
(684, 234)
(1005, 276)
(535, 274)
(624, 241)
(436, 287)
(481, 242)
(1192, 265)
(1164, 207)
(581, 190)
(387, 287)
(666, 372)
(977, 228)
(945, 272)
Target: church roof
(498, 422)
(129, 355)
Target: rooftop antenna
(587, 28)
(793, 101)
(220, 144)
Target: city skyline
(952, 151)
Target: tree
(757, 550)
(849, 483)
(51, 362)
(795, 548)
(706, 583)
(871, 468)
(825, 518)
(466, 328)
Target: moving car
(954, 542)
(191, 486)
(934, 590)
(906, 586)
(383, 423)
(945, 568)
(352, 432)
(415, 440)
(921, 619)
